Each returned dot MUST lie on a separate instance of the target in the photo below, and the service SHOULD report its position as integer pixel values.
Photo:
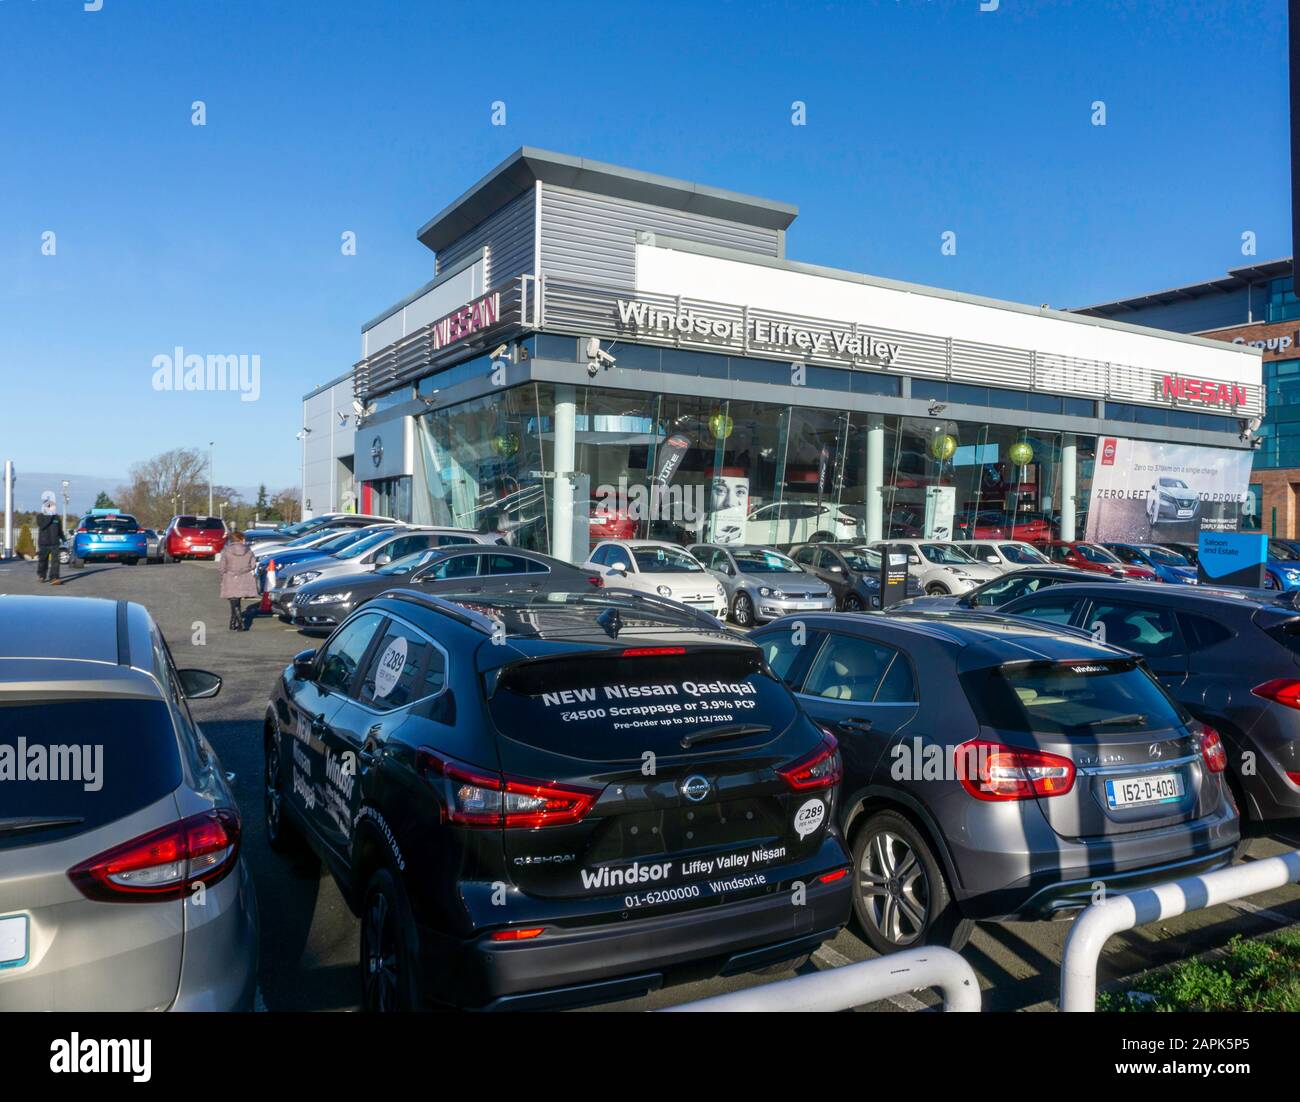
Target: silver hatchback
(122, 885)
(762, 584)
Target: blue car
(1282, 567)
(1170, 567)
(105, 535)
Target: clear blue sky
(369, 116)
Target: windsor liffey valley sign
(768, 334)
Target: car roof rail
(458, 612)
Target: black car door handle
(855, 723)
(318, 724)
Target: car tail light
(823, 768)
(524, 933)
(650, 652)
(1008, 773)
(831, 877)
(1281, 690)
(477, 798)
(596, 580)
(1294, 778)
(1216, 757)
(165, 863)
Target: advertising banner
(940, 505)
(1232, 558)
(1143, 491)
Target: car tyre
(937, 589)
(742, 610)
(390, 947)
(852, 603)
(281, 833)
(901, 898)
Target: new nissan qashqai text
(555, 799)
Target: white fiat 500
(661, 568)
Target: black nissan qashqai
(555, 799)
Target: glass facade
(1282, 302)
(741, 471)
(1280, 432)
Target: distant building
(1255, 305)
(327, 435)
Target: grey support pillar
(564, 421)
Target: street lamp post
(209, 478)
(66, 485)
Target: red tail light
(477, 798)
(1281, 690)
(650, 652)
(831, 877)
(1294, 778)
(165, 863)
(823, 768)
(596, 580)
(991, 771)
(524, 933)
(1216, 757)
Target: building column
(565, 450)
(1069, 485)
(875, 488)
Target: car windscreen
(664, 560)
(1083, 698)
(946, 554)
(1093, 553)
(1022, 554)
(864, 560)
(121, 523)
(600, 708)
(407, 563)
(1127, 554)
(340, 540)
(1173, 483)
(1165, 557)
(68, 766)
(362, 546)
(765, 562)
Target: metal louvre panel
(508, 235)
(415, 356)
(991, 365)
(1069, 375)
(587, 309)
(593, 237)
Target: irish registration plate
(13, 941)
(1153, 788)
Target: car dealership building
(731, 394)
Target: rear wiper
(32, 822)
(1135, 718)
(728, 730)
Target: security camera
(430, 399)
(500, 351)
(936, 407)
(597, 357)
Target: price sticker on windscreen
(391, 664)
(809, 817)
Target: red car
(998, 526)
(191, 537)
(609, 523)
(1093, 557)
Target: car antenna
(611, 620)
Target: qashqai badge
(695, 788)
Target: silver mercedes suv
(122, 885)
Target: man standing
(49, 537)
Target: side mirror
(303, 665)
(198, 684)
(835, 568)
(619, 568)
(384, 559)
(913, 560)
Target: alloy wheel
(380, 961)
(272, 793)
(894, 888)
(743, 612)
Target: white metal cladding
(588, 237)
(508, 236)
(586, 309)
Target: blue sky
(324, 117)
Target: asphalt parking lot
(309, 937)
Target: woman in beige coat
(238, 578)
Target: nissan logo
(695, 788)
(377, 450)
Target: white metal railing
(1096, 924)
(855, 984)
